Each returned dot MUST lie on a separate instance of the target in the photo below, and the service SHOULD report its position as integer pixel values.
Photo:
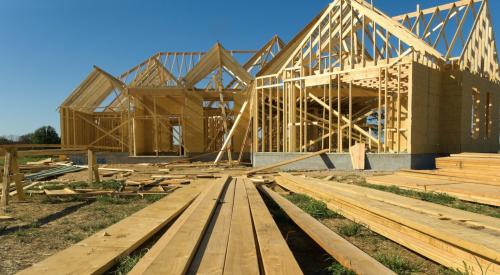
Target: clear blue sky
(48, 47)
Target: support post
(93, 167)
(17, 177)
(6, 179)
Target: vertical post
(379, 111)
(330, 116)
(16, 175)
(6, 179)
(350, 114)
(92, 165)
(339, 120)
(386, 139)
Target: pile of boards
(454, 238)
(471, 177)
(221, 226)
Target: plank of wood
(241, 256)
(99, 252)
(178, 253)
(283, 163)
(357, 153)
(274, 251)
(6, 218)
(162, 243)
(474, 192)
(340, 249)
(441, 238)
(211, 255)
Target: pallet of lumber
(445, 235)
(101, 251)
(473, 192)
(492, 178)
(469, 163)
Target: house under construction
(416, 84)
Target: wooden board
(274, 251)
(241, 256)
(474, 192)
(343, 251)
(211, 255)
(99, 252)
(357, 153)
(160, 245)
(446, 238)
(178, 253)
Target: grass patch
(316, 209)
(154, 197)
(125, 264)
(338, 269)
(350, 229)
(114, 200)
(398, 264)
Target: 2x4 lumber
(274, 251)
(211, 255)
(433, 9)
(178, 253)
(101, 251)
(339, 248)
(283, 163)
(446, 239)
(241, 255)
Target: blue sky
(48, 47)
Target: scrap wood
(283, 163)
(26, 187)
(168, 176)
(339, 248)
(40, 162)
(63, 192)
(175, 182)
(6, 218)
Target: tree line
(42, 135)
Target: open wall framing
(422, 83)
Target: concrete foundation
(376, 162)
(124, 158)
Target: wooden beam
(340, 249)
(283, 163)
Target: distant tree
(46, 135)
(25, 139)
(5, 141)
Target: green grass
(125, 264)
(316, 209)
(338, 269)
(350, 229)
(398, 264)
(154, 197)
(114, 200)
(439, 198)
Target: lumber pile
(469, 176)
(221, 226)
(447, 236)
(222, 238)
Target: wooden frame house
(425, 82)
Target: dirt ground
(42, 226)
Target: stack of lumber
(471, 177)
(448, 236)
(221, 226)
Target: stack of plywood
(471, 177)
(451, 237)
